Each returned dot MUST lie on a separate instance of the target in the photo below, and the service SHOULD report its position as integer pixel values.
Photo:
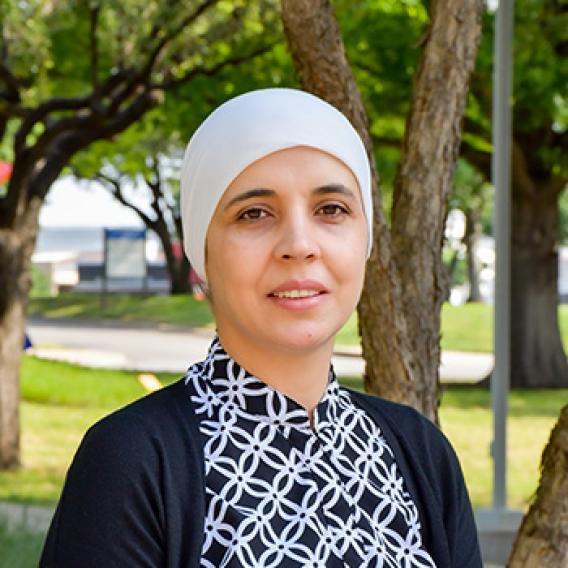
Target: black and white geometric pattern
(281, 494)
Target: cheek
(234, 262)
(350, 256)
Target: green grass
(466, 419)
(464, 328)
(61, 401)
(181, 310)
(57, 383)
(19, 548)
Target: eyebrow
(249, 194)
(334, 188)
(264, 192)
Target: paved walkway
(166, 348)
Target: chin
(304, 339)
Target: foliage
(563, 217)
(80, 72)
(472, 191)
(161, 135)
(540, 76)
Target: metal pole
(501, 171)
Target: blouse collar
(238, 390)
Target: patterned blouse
(279, 493)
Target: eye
(252, 214)
(333, 210)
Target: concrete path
(165, 348)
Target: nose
(298, 238)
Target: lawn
(19, 548)
(464, 328)
(180, 310)
(61, 401)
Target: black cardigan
(134, 494)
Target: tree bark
(537, 354)
(471, 240)
(16, 247)
(424, 179)
(542, 540)
(178, 267)
(315, 42)
(400, 331)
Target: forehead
(293, 170)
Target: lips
(298, 290)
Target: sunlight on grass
(53, 382)
(181, 310)
(466, 419)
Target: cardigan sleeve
(110, 512)
(450, 488)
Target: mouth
(296, 294)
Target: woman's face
(285, 252)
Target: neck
(301, 375)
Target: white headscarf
(247, 128)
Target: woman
(257, 457)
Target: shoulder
(152, 412)
(122, 490)
(418, 437)
(144, 427)
(401, 417)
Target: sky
(69, 203)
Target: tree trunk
(319, 55)
(424, 179)
(178, 269)
(16, 248)
(471, 240)
(537, 354)
(542, 540)
(400, 332)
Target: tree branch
(69, 143)
(173, 33)
(395, 143)
(10, 80)
(10, 110)
(480, 160)
(114, 186)
(155, 186)
(34, 116)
